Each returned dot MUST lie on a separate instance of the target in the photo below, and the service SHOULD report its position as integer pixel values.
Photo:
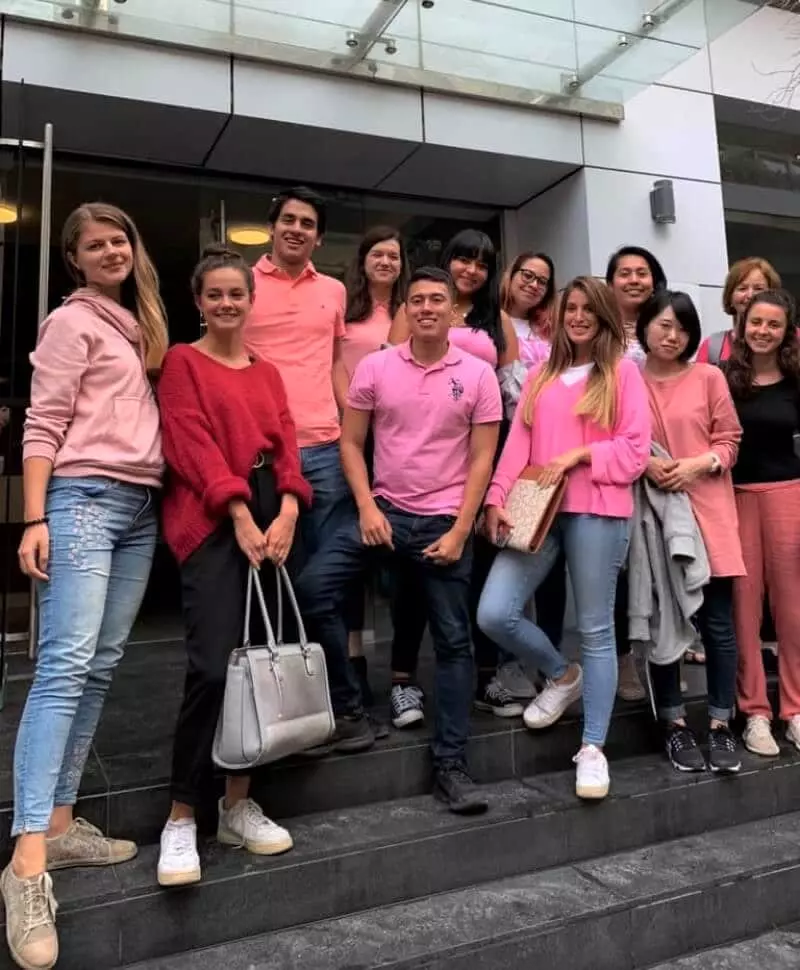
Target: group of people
(337, 429)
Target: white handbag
(277, 701)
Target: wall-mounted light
(648, 21)
(390, 45)
(352, 39)
(249, 235)
(622, 41)
(662, 202)
(427, 4)
(8, 213)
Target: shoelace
(182, 841)
(550, 697)
(254, 815)
(38, 903)
(591, 760)
(496, 692)
(86, 828)
(723, 739)
(682, 739)
(406, 698)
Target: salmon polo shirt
(422, 420)
(294, 324)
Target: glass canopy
(570, 55)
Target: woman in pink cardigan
(695, 421)
(582, 414)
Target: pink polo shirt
(294, 324)
(422, 420)
(365, 337)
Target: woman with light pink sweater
(91, 463)
(583, 414)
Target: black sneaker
(498, 701)
(682, 749)
(723, 752)
(453, 786)
(353, 733)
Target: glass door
(26, 175)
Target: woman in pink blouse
(695, 420)
(583, 414)
(528, 296)
(376, 284)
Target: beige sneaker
(758, 737)
(85, 845)
(630, 687)
(793, 731)
(30, 920)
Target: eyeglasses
(529, 277)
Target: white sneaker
(758, 737)
(178, 861)
(245, 825)
(793, 731)
(591, 777)
(512, 677)
(553, 701)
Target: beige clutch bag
(531, 507)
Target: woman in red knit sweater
(233, 489)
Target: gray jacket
(667, 570)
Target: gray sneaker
(30, 920)
(84, 844)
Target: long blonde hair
(599, 402)
(140, 292)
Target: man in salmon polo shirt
(435, 414)
(297, 323)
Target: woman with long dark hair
(91, 464)
(763, 374)
(232, 502)
(376, 283)
(583, 416)
(481, 328)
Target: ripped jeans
(102, 539)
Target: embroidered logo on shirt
(456, 388)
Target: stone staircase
(383, 876)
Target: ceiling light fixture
(249, 235)
(8, 213)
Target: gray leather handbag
(277, 701)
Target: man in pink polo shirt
(297, 323)
(435, 414)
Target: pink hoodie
(93, 411)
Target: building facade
(545, 122)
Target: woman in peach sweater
(695, 420)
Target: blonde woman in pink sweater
(583, 414)
(92, 461)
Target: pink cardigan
(619, 456)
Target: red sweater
(215, 421)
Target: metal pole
(44, 286)
(223, 222)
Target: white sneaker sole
(408, 718)
(278, 847)
(761, 752)
(509, 710)
(186, 877)
(591, 793)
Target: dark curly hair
(739, 368)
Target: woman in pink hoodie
(91, 462)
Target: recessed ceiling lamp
(249, 235)
(8, 213)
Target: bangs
(472, 244)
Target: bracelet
(33, 522)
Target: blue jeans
(102, 539)
(333, 502)
(595, 547)
(322, 587)
(715, 621)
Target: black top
(770, 418)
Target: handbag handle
(282, 578)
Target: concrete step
(623, 911)
(348, 860)
(779, 950)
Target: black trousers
(214, 584)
